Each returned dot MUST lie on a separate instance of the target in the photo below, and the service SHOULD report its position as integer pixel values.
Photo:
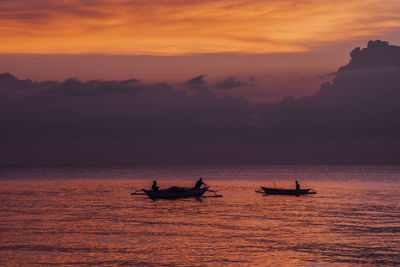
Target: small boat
(175, 192)
(289, 192)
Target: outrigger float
(176, 192)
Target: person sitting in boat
(154, 187)
(199, 183)
(297, 186)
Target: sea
(86, 216)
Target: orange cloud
(185, 27)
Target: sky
(160, 27)
(283, 47)
(199, 82)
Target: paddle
(215, 193)
(137, 192)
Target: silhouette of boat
(175, 192)
(289, 192)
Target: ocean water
(86, 216)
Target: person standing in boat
(297, 186)
(199, 183)
(154, 187)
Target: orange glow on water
(187, 27)
(62, 216)
(97, 222)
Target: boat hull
(175, 193)
(287, 192)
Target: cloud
(378, 54)
(74, 87)
(196, 81)
(7, 80)
(229, 83)
(198, 85)
(359, 103)
(353, 119)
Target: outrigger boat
(176, 192)
(289, 192)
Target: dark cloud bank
(353, 120)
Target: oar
(259, 191)
(215, 194)
(137, 192)
(312, 191)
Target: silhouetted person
(297, 186)
(154, 187)
(199, 183)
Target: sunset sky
(158, 27)
(284, 47)
(183, 58)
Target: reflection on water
(354, 218)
